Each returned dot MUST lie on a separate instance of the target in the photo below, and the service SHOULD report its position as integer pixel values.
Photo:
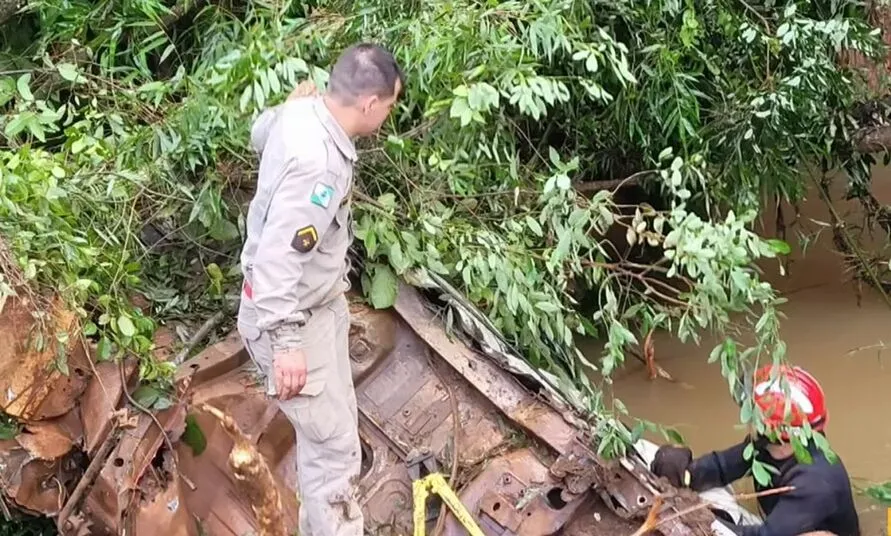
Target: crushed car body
(510, 440)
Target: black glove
(672, 462)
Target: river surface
(826, 332)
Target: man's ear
(370, 104)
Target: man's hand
(290, 373)
(672, 462)
(307, 88)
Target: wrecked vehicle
(515, 449)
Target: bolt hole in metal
(555, 499)
(641, 500)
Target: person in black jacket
(821, 499)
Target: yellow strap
(435, 483)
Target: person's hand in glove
(672, 462)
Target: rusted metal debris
(33, 386)
(525, 465)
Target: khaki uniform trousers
(324, 416)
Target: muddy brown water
(826, 331)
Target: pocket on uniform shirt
(248, 331)
(250, 336)
(247, 320)
(340, 220)
(259, 353)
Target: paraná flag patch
(321, 195)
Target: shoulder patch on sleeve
(321, 194)
(305, 239)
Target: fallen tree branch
(848, 243)
(87, 479)
(199, 335)
(872, 139)
(652, 522)
(596, 186)
(148, 412)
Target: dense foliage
(28, 526)
(527, 132)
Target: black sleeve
(798, 511)
(717, 469)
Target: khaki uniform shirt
(298, 224)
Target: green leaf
(801, 453)
(677, 163)
(7, 91)
(746, 410)
(547, 307)
(715, 353)
(125, 326)
(61, 364)
(761, 474)
(675, 436)
(224, 230)
(397, 259)
(534, 226)
(384, 286)
(823, 445)
(17, 124)
(9, 430)
(194, 436)
(460, 109)
(90, 329)
(779, 246)
(78, 145)
(103, 349)
(245, 97)
(146, 396)
(554, 156)
(880, 492)
(68, 71)
(388, 201)
(22, 85)
(563, 182)
(749, 451)
(214, 272)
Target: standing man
(294, 317)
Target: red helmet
(807, 404)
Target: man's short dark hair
(364, 69)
